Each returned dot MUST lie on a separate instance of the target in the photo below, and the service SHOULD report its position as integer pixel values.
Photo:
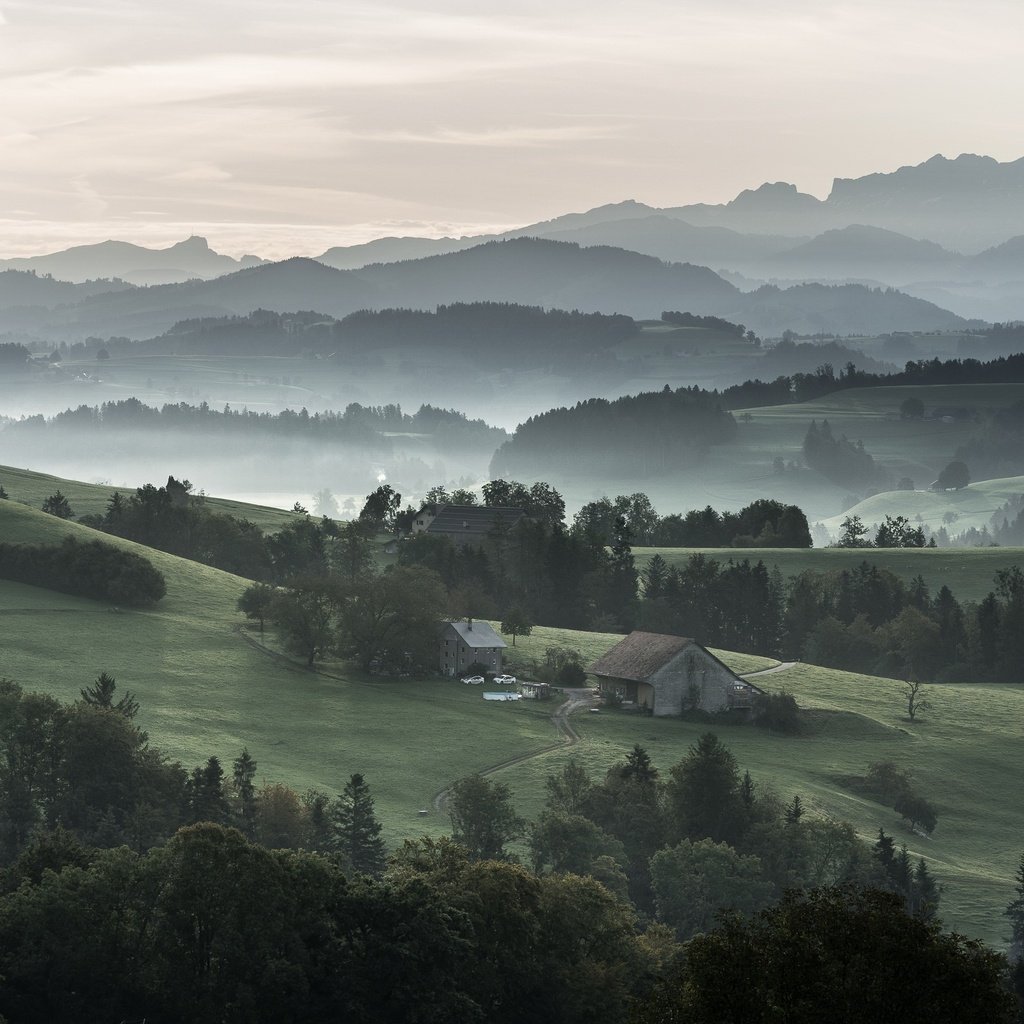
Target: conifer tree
(242, 780)
(355, 829)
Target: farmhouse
(669, 675)
(467, 524)
(466, 642)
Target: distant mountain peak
(194, 243)
(773, 195)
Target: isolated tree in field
(954, 477)
(516, 622)
(913, 693)
(483, 818)
(3, 493)
(916, 810)
(101, 695)
(355, 831)
(58, 505)
(255, 603)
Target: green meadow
(972, 506)
(207, 686)
(31, 488)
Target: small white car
(474, 680)
(505, 680)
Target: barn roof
(639, 655)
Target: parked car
(505, 680)
(473, 680)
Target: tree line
(359, 425)
(863, 619)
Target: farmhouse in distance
(669, 675)
(466, 524)
(465, 643)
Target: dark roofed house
(470, 524)
(669, 675)
(466, 642)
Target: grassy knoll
(31, 488)
(972, 506)
(968, 572)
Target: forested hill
(493, 334)
(634, 436)
(359, 426)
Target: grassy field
(963, 755)
(31, 488)
(204, 690)
(972, 506)
(968, 572)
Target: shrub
(778, 711)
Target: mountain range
(526, 271)
(894, 230)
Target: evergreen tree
(242, 779)
(355, 831)
(925, 904)
(101, 695)
(206, 793)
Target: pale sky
(283, 128)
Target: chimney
(469, 623)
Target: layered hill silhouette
(525, 271)
(191, 258)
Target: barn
(668, 675)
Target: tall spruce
(355, 829)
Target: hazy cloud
(335, 116)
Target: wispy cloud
(334, 113)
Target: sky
(284, 128)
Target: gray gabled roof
(473, 520)
(477, 633)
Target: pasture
(205, 690)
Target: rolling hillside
(207, 687)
